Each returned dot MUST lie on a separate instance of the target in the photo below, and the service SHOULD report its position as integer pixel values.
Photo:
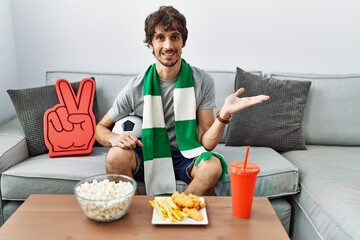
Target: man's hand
(234, 103)
(126, 140)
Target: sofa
(306, 141)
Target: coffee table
(45, 216)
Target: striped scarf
(159, 171)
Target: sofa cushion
(40, 174)
(277, 177)
(276, 123)
(30, 105)
(330, 192)
(330, 110)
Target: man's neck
(168, 73)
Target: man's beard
(169, 64)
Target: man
(176, 101)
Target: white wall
(320, 36)
(8, 71)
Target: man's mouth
(168, 58)
(168, 54)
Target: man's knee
(215, 169)
(210, 169)
(119, 160)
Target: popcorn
(105, 200)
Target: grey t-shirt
(130, 100)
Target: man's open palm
(234, 103)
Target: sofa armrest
(13, 148)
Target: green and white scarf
(159, 171)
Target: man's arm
(103, 131)
(210, 131)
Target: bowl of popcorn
(105, 197)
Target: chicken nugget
(182, 200)
(197, 203)
(193, 213)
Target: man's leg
(205, 176)
(121, 161)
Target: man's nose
(167, 43)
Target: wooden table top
(45, 216)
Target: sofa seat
(41, 174)
(330, 194)
(278, 177)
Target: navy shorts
(182, 166)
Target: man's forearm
(213, 135)
(103, 134)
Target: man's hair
(169, 19)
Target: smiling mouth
(168, 54)
(168, 58)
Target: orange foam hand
(69, 127)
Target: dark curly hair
(169, 19)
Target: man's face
(167, 46)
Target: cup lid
(237, 167)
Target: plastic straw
(246, 156)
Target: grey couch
(315, 192)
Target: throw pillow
(30, 105)
(276, 123)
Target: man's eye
(161, 38)
(175, 37)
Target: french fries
(161, 211)
(178, 207)
(166, 208)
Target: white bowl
(105, 197)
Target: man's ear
(152, 48)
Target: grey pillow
(276, 123)
(30, 105)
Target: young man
(176, 101)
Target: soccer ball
(129, 124)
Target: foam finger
(66, 95)
(86, 95)
(54, 121)
(63, 117)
